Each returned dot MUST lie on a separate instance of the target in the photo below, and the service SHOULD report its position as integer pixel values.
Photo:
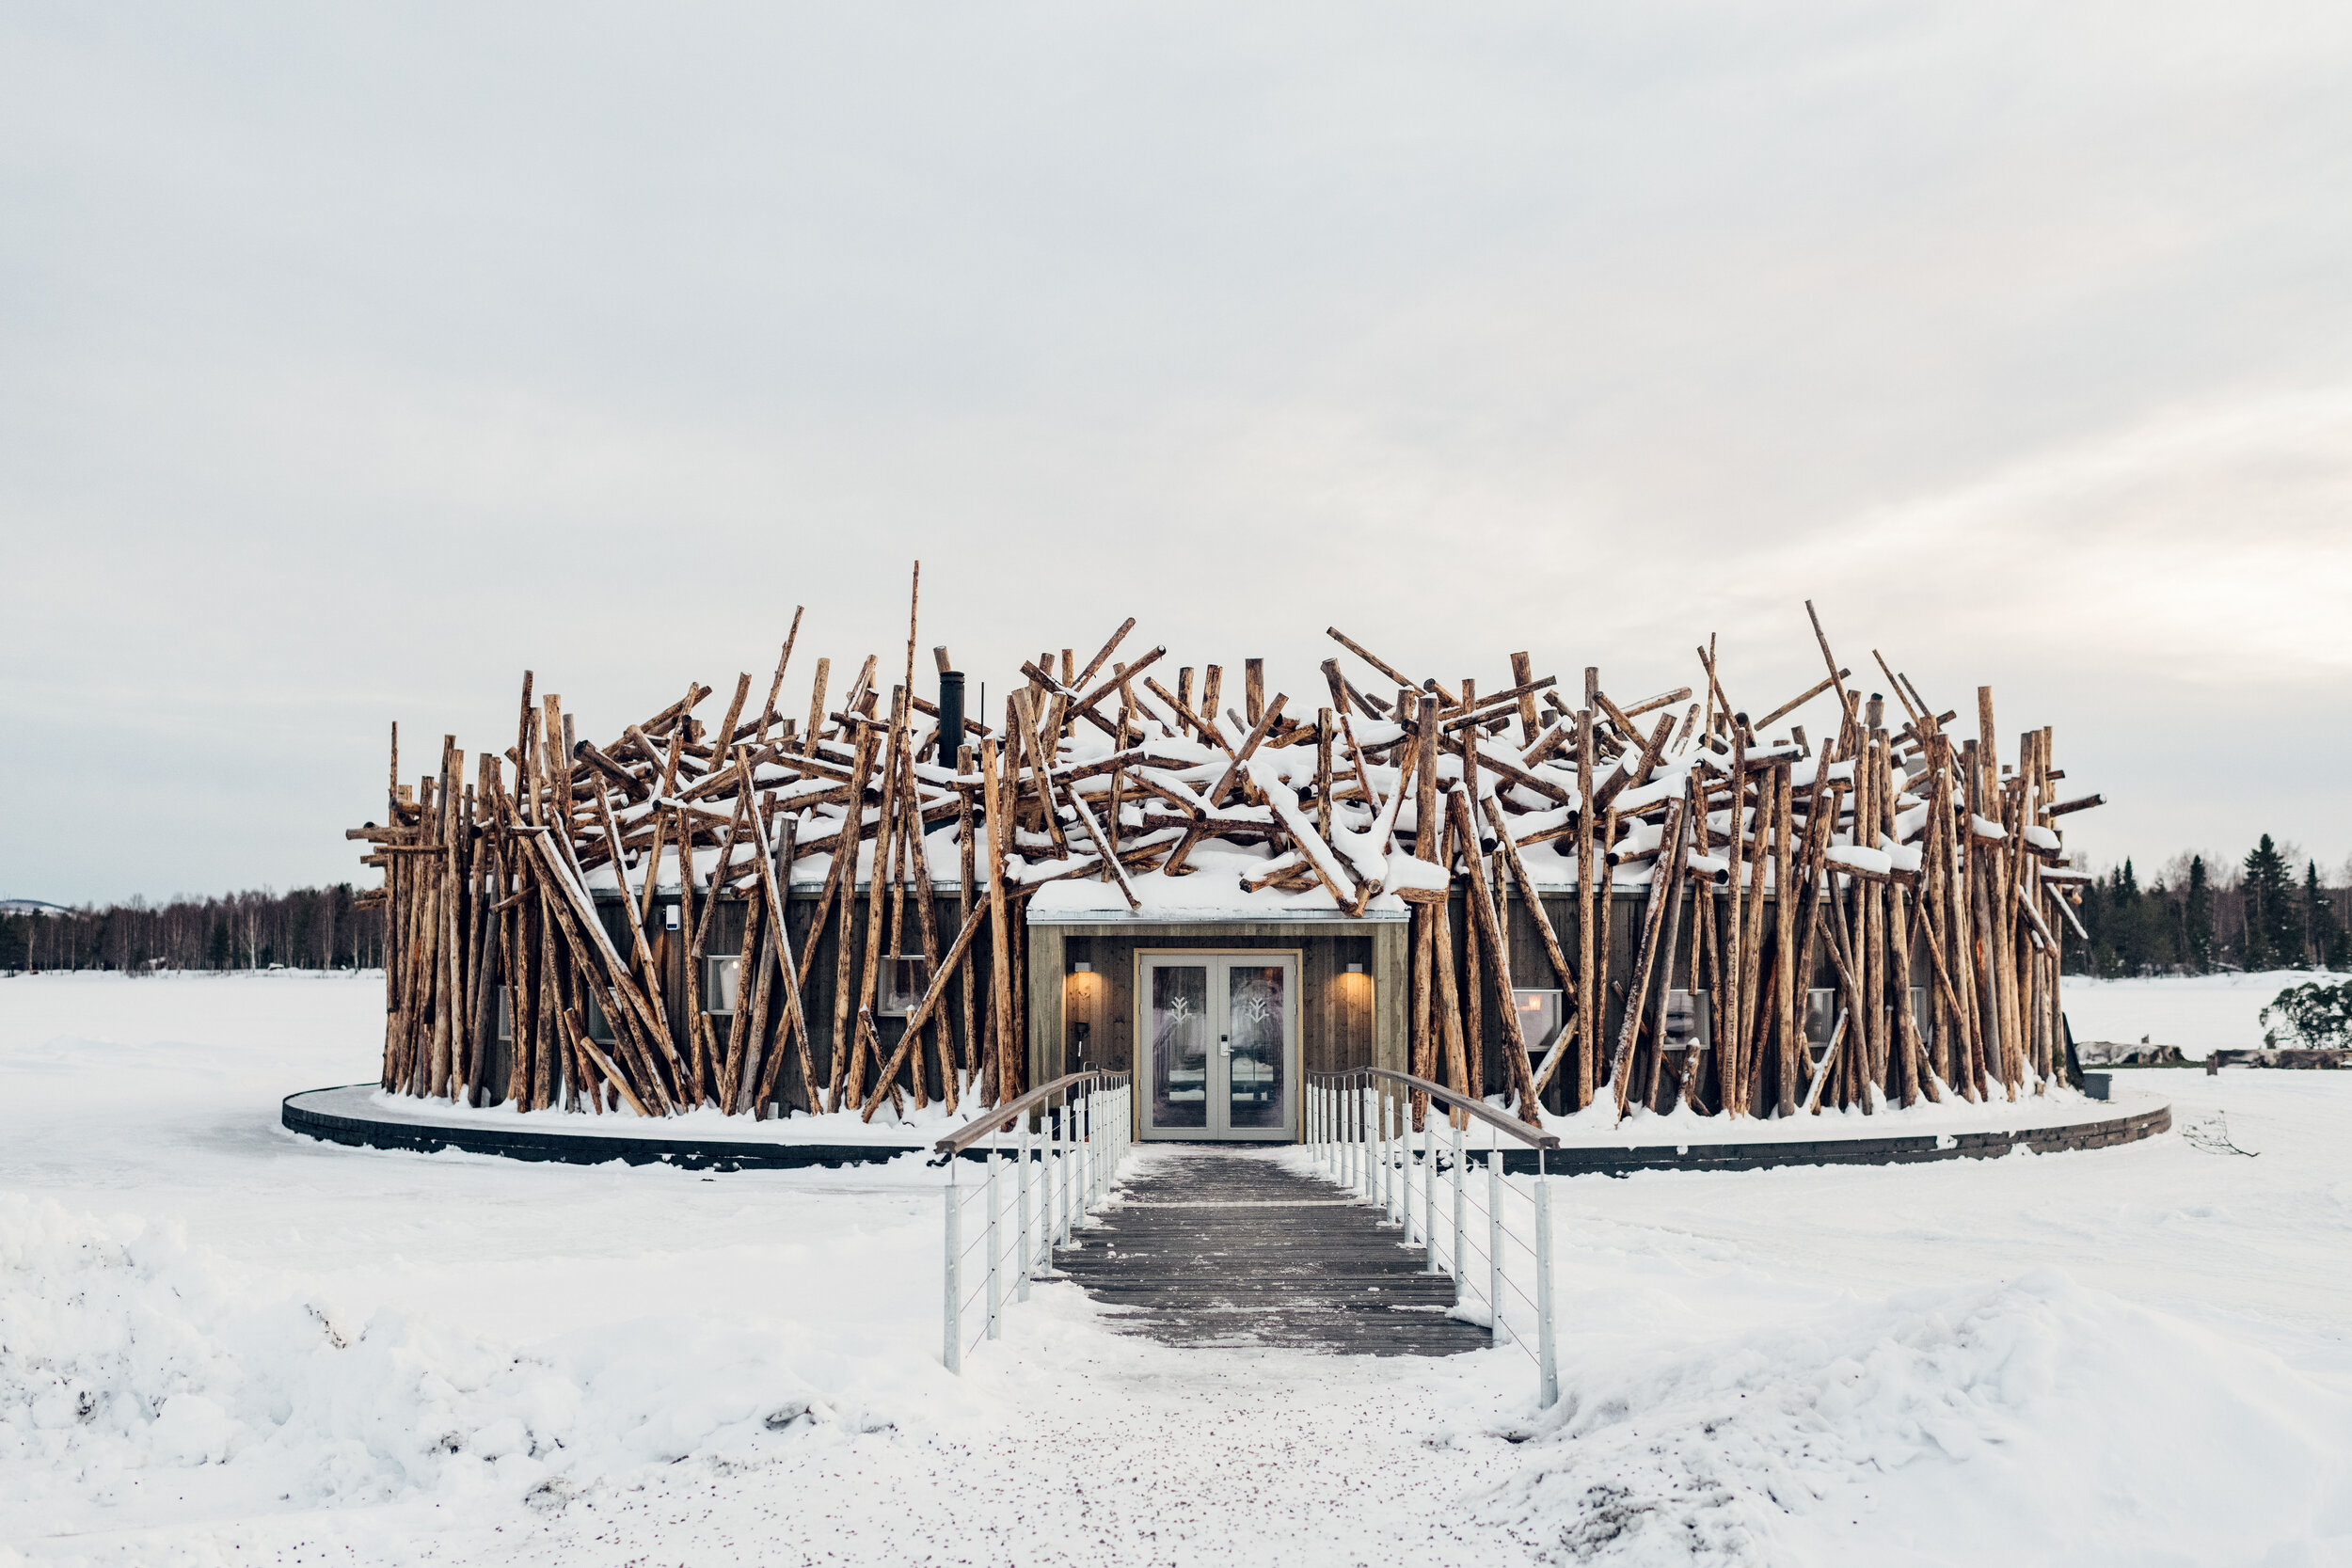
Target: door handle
(1225, 1045)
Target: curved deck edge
(2130, 1124)
(572, 1148)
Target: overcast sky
(351, 363)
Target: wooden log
(1384, 667)
(1800, 700)
(840, 897)
(934, 996)
(1000, 935)
(1621, 1062)
(1174, 865)
(650, 1004)
(1589, 995)
(1523, 680)
(627, 1009)
(1479, 710)
(577, 1029)
(1837, 676)
(773, 853)
(1678, 881)
(1753, 1014)
(1042, 760)
(1731, 1014)
(966, 900)
(1490, 929)
(1620, 780)
(877, 880)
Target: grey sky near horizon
(352, 363)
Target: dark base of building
(2142, 1117)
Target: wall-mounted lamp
(1355, 969)
(1083, 967)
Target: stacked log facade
(1750, 921)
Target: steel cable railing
(1358, 1130)
(1062, 1168)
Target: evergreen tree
(2274, 933)
(2197, 919)
(216, 952)
(2323, 935)
(2131, 923)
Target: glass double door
(1220, 1032)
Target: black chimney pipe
(950, 717)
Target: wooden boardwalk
(1224, 1247)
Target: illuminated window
(1540, 1017)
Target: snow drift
(123, 1352)
(1961, 1425)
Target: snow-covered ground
(219, 1343)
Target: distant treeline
(2195, 917)
(310, 927)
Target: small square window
(1820, 1015)
(1820, 1019)
(1540, 1017)
(722, 971)
(904, 980)
(1690, 1021)
(599, 1026)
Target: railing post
(1546, 1359)
(1494, 1232)
(1461, 1218)
(1381, 1103)
(1054, 1235)
(1396, 1152)
(1021, 1186)
(1429, 1187)
(1404, 1164)
(995, 1276)
(951, 1339)
(1347, 1136)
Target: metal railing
(1359, 1128)
(1077, 1142)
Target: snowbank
(124, 1352)
(1957, 1424)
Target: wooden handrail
(1444, 1096)
(1004, 1116)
